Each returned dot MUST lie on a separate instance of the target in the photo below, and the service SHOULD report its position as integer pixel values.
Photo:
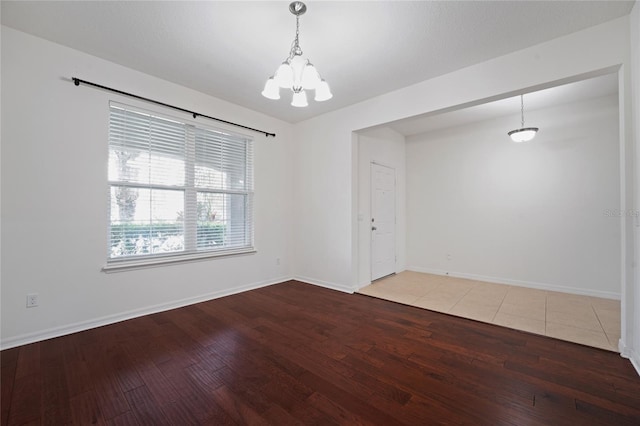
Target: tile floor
(587, 320)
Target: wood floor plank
(79, 379)
(294, 353)
(194, 398)
(124, 419)
(9, 361)
(108, 391)
(145, 408)
(55, 393)
(26, 399)
(85, 409)
(237, 409)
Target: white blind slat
(158, 152)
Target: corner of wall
(630, 354)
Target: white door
(383, 221)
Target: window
(176, 188)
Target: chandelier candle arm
(296, 72)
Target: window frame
(190, 253)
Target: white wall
(544, 214)
(325, 152)
(54, 205)
(386, 147)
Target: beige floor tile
(394, 296)
(582, 319)
(562, 301)
(613, 338)
(569, 296)
(534, 310)
(609, 319)
(369, 290)
(378, 285)
(520, 323)
(446, 291)
(569, 306)
(525, 296)
(423, 288)
(586, 320)
(380, 290)
(412, 274)
(473, 311)
(578, 335)
(608, 304)
(492, 288)
(420, 277)
(440, 302)
(410, 287)
(480, 297)
(457, 285)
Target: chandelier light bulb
(284, 75)
(310, 77)
(296, 72)
(271, 89)
(299, 99)
(323, 93)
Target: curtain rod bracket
(77, 82)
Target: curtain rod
(77, 82)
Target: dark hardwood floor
(298, 354)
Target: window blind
(176, 187)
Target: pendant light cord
(522, 110)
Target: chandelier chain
(296, 50)
(522, 110)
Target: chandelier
(523, 134)
(297, 73)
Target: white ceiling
(564, 94)
(363, 49)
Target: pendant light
(297, 73)
(523, 134)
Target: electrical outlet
(448, 257)
(32, 300)
(277, 261)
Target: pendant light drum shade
(523, 134)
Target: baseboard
(635, 361)
(111, 319)
(519, 283)
(326, 284)
(630, 354)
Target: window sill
(154, 262)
